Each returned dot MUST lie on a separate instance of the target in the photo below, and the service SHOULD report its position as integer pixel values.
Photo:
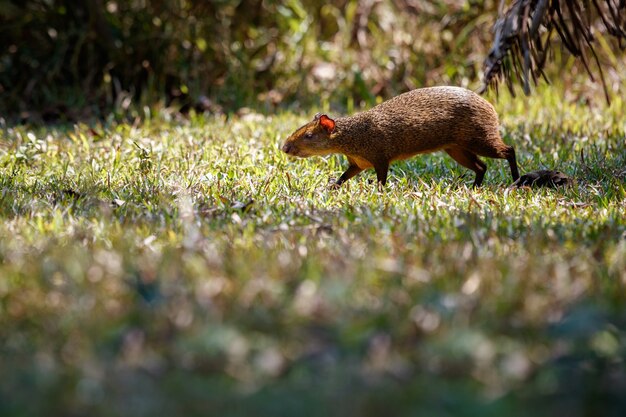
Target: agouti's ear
(327, 123)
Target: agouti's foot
(334, 186)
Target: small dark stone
(543, 178)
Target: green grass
(187, 267)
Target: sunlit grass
(188, 263)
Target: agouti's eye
(308, 135)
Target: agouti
(424, 120)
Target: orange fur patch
(362, 163)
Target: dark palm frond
(523, 35)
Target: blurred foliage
(60, 57)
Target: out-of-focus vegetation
(67, 60)
(62, 59)
(60, 55)
(188, 267)
(239, 51)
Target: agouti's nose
(287, 147)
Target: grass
(186, 266)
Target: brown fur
(451, 119)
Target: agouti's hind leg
(502, 151)
(509, 154)
(469, 160)
(381, 168)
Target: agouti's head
(314, 138)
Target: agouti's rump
(452, 119)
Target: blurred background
(61, 59)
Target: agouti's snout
(292, 149)
(287, 148)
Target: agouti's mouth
(291, 150)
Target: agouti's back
(453, 119)
(428, 119)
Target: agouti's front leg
(352, 170)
